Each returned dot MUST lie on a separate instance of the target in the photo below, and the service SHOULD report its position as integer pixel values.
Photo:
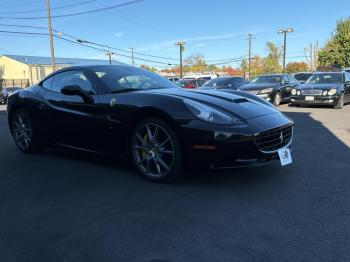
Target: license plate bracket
(285, 156)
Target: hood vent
(240, 100)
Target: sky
(216, 29)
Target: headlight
(266, 90)
(294, 92)
(298, 93)
(332, 92)
(325, 93)
(209, 114)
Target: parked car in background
(173, 79)
(347, 69)
(6, 91)
(131, 112)
(302, 77)
(231, 82)
(190, 83)
(274, 88)
(200, 76)
(332, 88)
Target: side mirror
(286, 82)
(75, 90)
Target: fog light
(292, 100)
(330, 100)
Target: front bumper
(318, 100)
(208, 146)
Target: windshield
(11, 89)
(123, 78)
(331, 78)
(267, 80)
(218, 82)
(302, 77)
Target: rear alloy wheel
(23, 133)
(340, 103)
(278, 99)
(156, 151)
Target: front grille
(311, 92)
(274, 139)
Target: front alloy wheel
(156, 151)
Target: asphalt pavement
(63, 205)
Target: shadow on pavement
(64, 205)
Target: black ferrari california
(133, 113)
(324, 88)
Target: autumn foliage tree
(294, 67)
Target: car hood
(234, 103)
(255, 87)
(320, 86)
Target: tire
(340, 103)
(26, 137)
(277, 99)
(159, 158)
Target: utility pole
(132, 56)
(109, 57)
(48, 11)
(250, 36)
(285, 31)
(181, 45)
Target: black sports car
(134, 113)
(274, 88)
(331, 88)
(230, 82)
(5, 92)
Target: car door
(74, 122)
(347, 87)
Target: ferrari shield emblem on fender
(112, 102)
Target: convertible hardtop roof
(87, 67)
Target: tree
(271, 62)
(195, 63)
(229, 70)
(336, 51)
(256, 66)
(294, 67)
(149, 68)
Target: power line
(77, 13)
(110, 47)
(53, 8)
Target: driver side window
(69, 78)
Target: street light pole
(285, 31)
(48, 11)
(109, 57)
(181, 45)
